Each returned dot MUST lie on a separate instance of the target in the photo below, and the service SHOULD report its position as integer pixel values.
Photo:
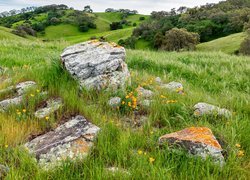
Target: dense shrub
(115, 25)
(245, 47)
(24, 30)
(178, 39)
(142, 18)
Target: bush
(83, 28)
(24, 30)
(245, 47)
(115, 25)
(54, 21)
(134, 24)
(178, 39)
(142, 18)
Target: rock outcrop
(115, 102)
(202, 109)
(52, 105)
(97, 65)
(20, 90)
(70, 140)
(198, 141)
(174, 86)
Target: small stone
(115, 170)
(202, 109)
(174, 86)
(3, 170)
(22, 87)
(72, 140)
(145, 93)
(115, 102)
(198, 141)
(7, 103)
(158, 80)
(145, 103)
(52, 106)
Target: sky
(143, 6)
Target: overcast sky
(143, 6)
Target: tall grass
(215, 78)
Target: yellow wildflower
(32, 95)
(6, 146)
(47, 118)
(145, 153)
(24, 110)
(151, 132)
(139, 152)
(127, 97)
(238, 145)
(151, 160)
(129, 104)
(19, 113)
(162, 96)
(123, 102)
(241, 153)
(37, 90)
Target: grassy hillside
(228, 44)
(215, 78)
(103, 20)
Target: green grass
(229, 44)
(212, 77)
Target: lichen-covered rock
(3, 170)
(174, 86)
(22, 87)
(198, 141)
(97, 65)
(158, 80)
(201, 109)
(7, 103)
(70, 140)
(115, 102)
(145, 103)
(145, 93)
(118, 170)
(52, 105)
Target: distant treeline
(210, 21)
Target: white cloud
(143, 6)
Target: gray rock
(144, 93)
(6, 104)
(71, 140)
(202, 109)
(115, 102)
(158, 80)
(198, 141)
(22, 87)
(52, 106)
(174, 86)
(3, 170)
(118, 170)
(145, 103)
(97, 65)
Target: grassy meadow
(212, 77)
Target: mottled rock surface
(198, 141)
(70, 140)
(174, 86)
(158, 80)
(97, 65)
(6, 104)
(52, 105)
(202, 109)
(145, 93)
(3, 170)
(115, 102)
(22, 87)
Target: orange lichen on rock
(194, 134)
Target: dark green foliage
(134, 24)
(178, 39)
(142, 18)
(24, 30)
(128, 43)
(245, 46)
(115, 25)
(210, 21)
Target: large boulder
(71, 140)
(198, 141)
(97, 65)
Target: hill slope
(229, 44)
(214, 78)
